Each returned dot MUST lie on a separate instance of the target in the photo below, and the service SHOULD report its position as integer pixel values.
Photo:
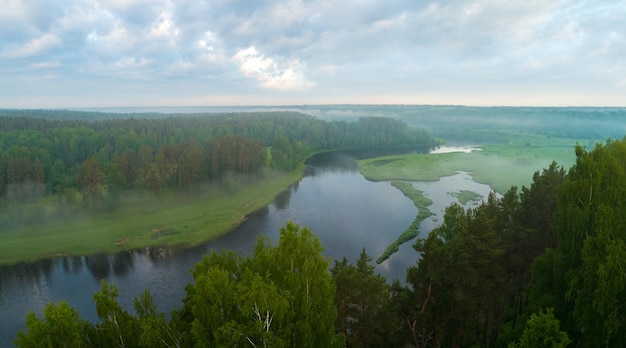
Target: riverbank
(173, 220)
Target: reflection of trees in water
(331, 161)
(157, 253)
(45, 268)
(295, 186)
(122, 262)
(257, 214)
(24, 274)
(345, 161)
(282, 200)
(98, 265)
(72, 264)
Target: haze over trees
(544, 261)
(54, 155)
(538, 267)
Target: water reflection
(99, 266)
(343, 209)
(122, 263)
(282, 200)
(72, 264)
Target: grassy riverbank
(421, 202)
(172, 220)
(498, 165)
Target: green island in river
(421, 202)
(466, 196)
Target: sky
(111, 53)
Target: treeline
(482, 124)
(543, 267)
(48, 153)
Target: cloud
(357, 50)
(33, 47)
(271, 74)
(47, 65)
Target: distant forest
(88, 158)
(475, 124)
(538, 267)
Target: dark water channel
(343, 209)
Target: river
(347, 213)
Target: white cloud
(12, 9)
(358, 47)
(126, 68)
(271, 74)
(164, 28)
(47, 65)
(33, 47)
(124, 4)
(210, 47)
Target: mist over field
(312, 173)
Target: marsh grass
(497, 165)
(502, 165)
(421, 202)
(169, 220)
(466, 196)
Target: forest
(86, 160)
(540, 266)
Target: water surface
(347, 213)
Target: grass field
(498, 165)
(179, 220)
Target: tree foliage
(542, 331)
(473, 275)
(583, 277)
(552, 255)
(363, 302)
(61, 326)
(89, 159)
(282, 296)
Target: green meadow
(502, 165)
(182, 220)
(499, 165)
(145, 220)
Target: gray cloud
(483, 52)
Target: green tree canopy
(583, 278)
(542, 331)
(61, 326)
(281, 296)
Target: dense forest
(482, 124)
(85, 159)
(538, 267)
